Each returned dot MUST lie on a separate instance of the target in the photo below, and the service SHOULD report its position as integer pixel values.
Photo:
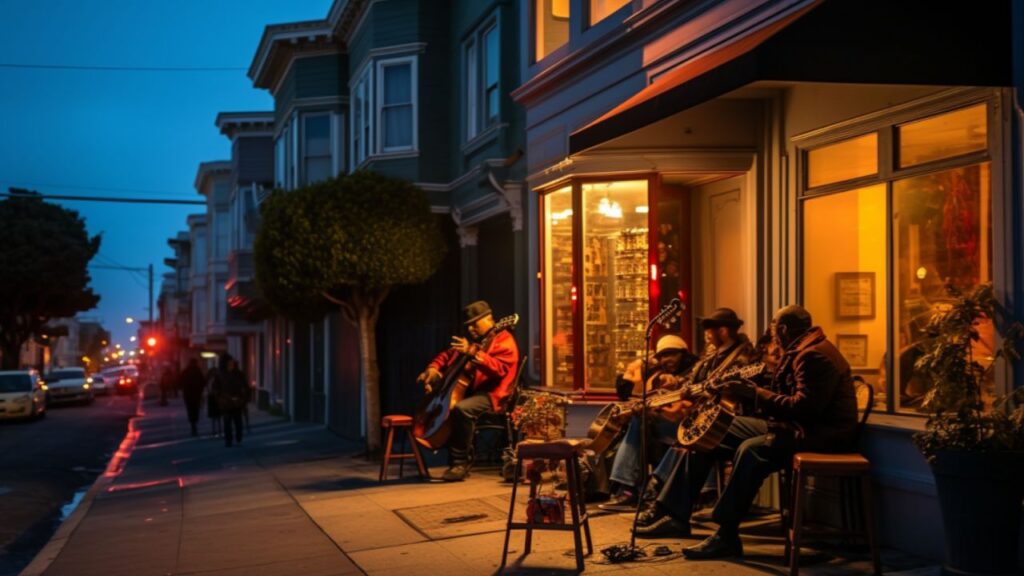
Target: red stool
(400, 422)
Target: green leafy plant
(959, 418)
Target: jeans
(463, 423)
(750, 447)
(626, 467)
(232, 419)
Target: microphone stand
(666, 316)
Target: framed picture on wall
(853, 347)
(855, 295)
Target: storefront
(857, 174)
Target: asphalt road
(46, 465)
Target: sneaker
(665, 527)
(718, 545)
(624, 501)
(457, 473)
(649, 515)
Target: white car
(22, 394)
(122, 379)
(68, 385)
(99, 384)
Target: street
(46, 465)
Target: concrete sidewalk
(293, 500)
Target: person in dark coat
(215, 382)
(233, 397)
(192, 382)
(811, 390)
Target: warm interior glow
(559, 292)
(944, 136)
(842, 161)
(551, 26)
(601, 9)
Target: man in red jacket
(492, 365)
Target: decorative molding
(467, 235)
(513, 194)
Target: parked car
(22, 394)
(99, 384)
(122, 379)
(68, 385)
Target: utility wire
(97, 188)
(123, 68)
(107, 199)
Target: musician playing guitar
(673, 361)
(811, 389)
(493, 370)
(728, 349)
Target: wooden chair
(854, 473)
(567, 450)
(402, 423)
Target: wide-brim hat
(721, 317)
(670, 343)
(475, 311)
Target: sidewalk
(293, 500)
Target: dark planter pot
(980, 495)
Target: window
(559, 291)
(551, 26)
(482, 75)
(222, 231)
(397, 112)
(316, 148)
(279, 156)
(941, 234)
(601, 9)
(362, 119)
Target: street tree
(44, 257)
(345, 243)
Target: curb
(45, 557)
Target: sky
(139, 134)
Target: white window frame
(474, 52)
(361, 94)
(485, 121)
(412, 61)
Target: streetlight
(132, 339)
(129, 320)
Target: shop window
(844, 279)
(941, 235)
(843, 161)
(551, 29)
(559, 292)
(601, 9)
(944, 136)
(909, 237)
(615, 277)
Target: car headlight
(85, 386)
(88, 380)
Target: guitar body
(607, 426)
(431, 424)
(707, 423)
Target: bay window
(362, 118)
(900, 212)
(316, 147)
(551, 26)
(397, 96)
(482, 54)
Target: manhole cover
(457, 518)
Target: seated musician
(728, 349)
(811, 388)
(673, 361)
(493, 367)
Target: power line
(27, 185)
(106, 199)
(123, 68)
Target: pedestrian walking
(232, 402)
(215, 382)
(167, 384)
(192, 382)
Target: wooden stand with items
(567, 450)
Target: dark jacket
(234, 390)
(812, 387)
(191, 382)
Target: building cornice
(235, 124)
(208, 170)
(280, 41)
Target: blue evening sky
(121, 133)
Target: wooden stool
(567, 450)
(848, 468)
(401, 422)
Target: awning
(842, 41)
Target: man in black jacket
(811, 389)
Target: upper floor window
(397, 110)
(279, 160)
(601, 9)
(316, 147)
(362, 118)
(551, 26)
(482, 73)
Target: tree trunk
(370, 372)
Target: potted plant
(974, 443)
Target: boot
(458, 466)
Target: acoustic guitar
(707, 421)
(431, 424)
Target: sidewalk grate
(458, 518)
